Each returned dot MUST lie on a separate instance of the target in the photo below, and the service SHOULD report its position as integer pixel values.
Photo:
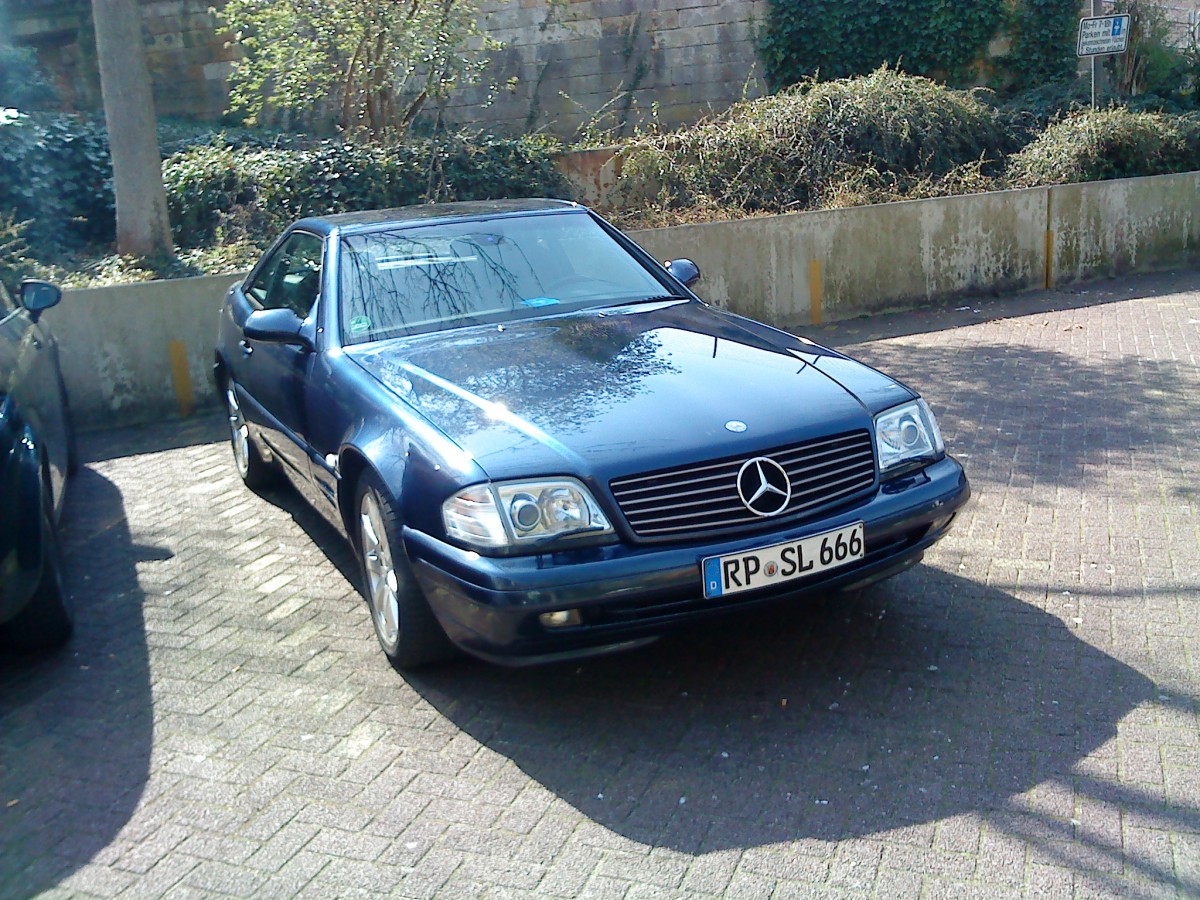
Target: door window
(291, 277)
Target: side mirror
(276, 326)
(685, 270)
(38, 296)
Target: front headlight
(522, 513)
(906, 434)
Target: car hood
(631, 389)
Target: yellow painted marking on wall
(814, 290)
(1048, 275)
(181, 377)
(1048, 255)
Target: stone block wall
(602, 68)
(189, 57)
(599, 68)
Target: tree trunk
(143, 227)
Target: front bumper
(628, 594)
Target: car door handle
(246, 348)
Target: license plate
(791, 560)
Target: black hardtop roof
(427, 213)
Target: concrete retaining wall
(1112, 227)
(808, 267)
(137, 352)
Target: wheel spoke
(382, 584)
(239, 433)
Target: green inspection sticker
(360, 323)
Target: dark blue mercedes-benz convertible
(543, 445)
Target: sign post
(1101, 36)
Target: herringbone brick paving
(1017, 716)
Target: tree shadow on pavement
(76, 726)
(959, 310)
(922, 698)
(1032, 417)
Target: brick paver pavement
(1017, 716)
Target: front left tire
(405, 626)
(255, 471)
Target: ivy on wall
(944, 39)
(1044, 41)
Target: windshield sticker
(359, 324)
(540, 301)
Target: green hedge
(56, 175)
(890, 136)
(1108, 143)
(217, 190)
(947, 39)
(1043, 42)
(788, 150)
(844, 38)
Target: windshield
(434, 277)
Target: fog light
(560, 618)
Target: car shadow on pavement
(333, 543)
(76, 726)
(922, 698)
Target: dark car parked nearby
(36, 455)
(542, 444)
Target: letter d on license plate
(789, 561)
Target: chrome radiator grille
(704, 497)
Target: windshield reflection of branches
(394, 285)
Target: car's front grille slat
(725, 513)
(653, 494)
(829, 485)
(694, 500)
(641, 483)
(841, 461)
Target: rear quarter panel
(30, 377)
(20, 511)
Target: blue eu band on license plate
(779, 563)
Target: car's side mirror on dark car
(685, 270)
(38, 296)
(277, 326)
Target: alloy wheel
(239, 433)
(381, 573)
